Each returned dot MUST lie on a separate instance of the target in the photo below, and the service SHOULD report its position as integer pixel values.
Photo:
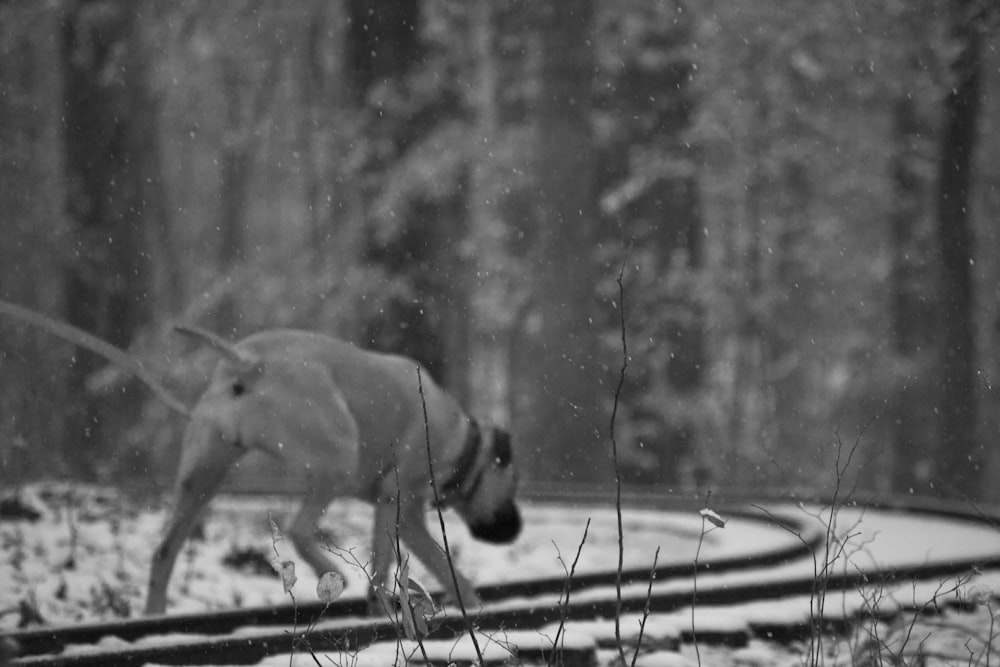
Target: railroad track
(530, 613)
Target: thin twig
(822, 580)
(399, 559)
(567, 587)
(989, 639)
(645, 610)
(444, 534)
(287, 581)
(614, 454)
(694, 581)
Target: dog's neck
(463, 480)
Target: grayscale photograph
(370, 333)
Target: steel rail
(48, 640)
(347, 634)
(344, 627)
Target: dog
(355, 421)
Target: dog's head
(490, 510)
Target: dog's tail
(243, 359)
(81, 338)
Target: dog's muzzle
(504, 527)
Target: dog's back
(381, 393)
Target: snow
(658, 629)
(87, 560)
(664, 659)
(869, 539)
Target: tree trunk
(423, 314)
(34, 244)
(487, 371)
(565, 383)
(381, 42)
(961, 458)
(107, 117)
(911, 320)
(235, 166)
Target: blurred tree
(382, 47)
(753, 128)
(498, 191)
(793, 197)
(110, 162)
(904, 45)
(987, 221)
(248, 89)
(323, 138)
(912, 315)
(33, 244)
(413, 184)
(649, 168)
(961, 459)
(453, 181)
(486, 378)
(381, 44)
(565, 380)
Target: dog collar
(453, 490)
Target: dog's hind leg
(206, 458)
(304, 530)
(322, 440)
(385, 533)
(385, 552)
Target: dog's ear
(502, 449)
(245, 361)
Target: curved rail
(519, 605)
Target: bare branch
(567, 586)
(444, 533)
(617, 465)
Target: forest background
(798, 196)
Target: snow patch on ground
(87, 559)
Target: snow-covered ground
(87, 557)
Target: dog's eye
(238, 388)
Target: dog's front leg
(384, 541)
(413, 530)
(187, 508)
